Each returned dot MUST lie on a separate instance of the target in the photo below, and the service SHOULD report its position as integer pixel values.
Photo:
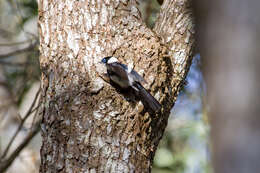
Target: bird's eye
(104, 60)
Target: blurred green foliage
(184, 147)
(29, 8)
(22, 69)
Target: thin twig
(35, 114)
(7, 162)
(14, 64)
(21, 124)
(148, 11)
(15, 43)
(19, 51)
(5, 33)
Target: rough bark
(87, 125)
(229, 45)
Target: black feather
(147, 99)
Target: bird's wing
(118, 70)
(134, 74)
(122, 71)
(137, 77)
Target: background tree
(229, 44)
(87, 124)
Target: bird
(127, 78)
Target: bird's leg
(105, 77)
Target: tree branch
(30, 110)
(15, 64)
(4, 164)
(15, 43)
(19, 51)
(176, 28)
(175, 25)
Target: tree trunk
(87, 124)
(229, 42)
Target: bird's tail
(147, 99)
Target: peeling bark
(87, 125)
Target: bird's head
(109, 60)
